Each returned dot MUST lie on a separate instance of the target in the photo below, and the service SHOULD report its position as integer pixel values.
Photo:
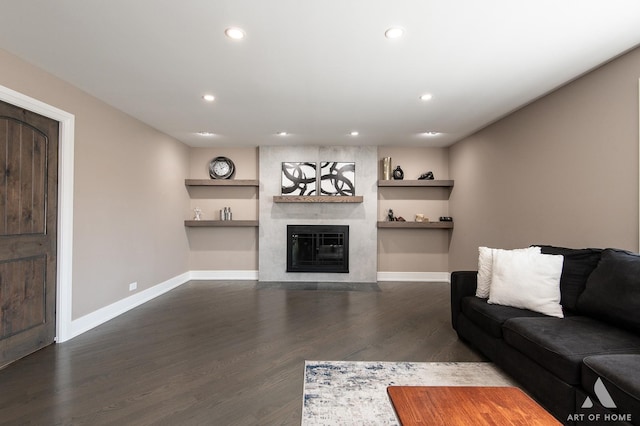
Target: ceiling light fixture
(431, 133)
(234, 33)
(206, 133)
(426, 97)
(209, 98)
(394, 32)
(282, 133)
(354, 133)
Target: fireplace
(317, 248)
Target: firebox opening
(317, 248)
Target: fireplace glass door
(317, 248)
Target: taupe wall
(563, 170)
(224, 248)
(129, 194)
(415, 250)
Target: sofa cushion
(490, 318)
(620, 375)
(527, 280)
(578, 265)
(560, 344)
(612, 291)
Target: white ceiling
(318, 69)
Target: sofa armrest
(463, 284)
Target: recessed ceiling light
(234, 33)
(282, 133)
(431, 133)
(354, 133)
(209, 98)
(426, 97)
(394, 32)
(206, 133)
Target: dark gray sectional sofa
(565, 363)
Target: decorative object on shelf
(421, 218)
(398, 174)
(299, 179)
(225, 214)
(386, 168)
(426, 176)
(337, 179)
(197, 214)
(400, 219)
(221, 168)
(446, 219)
(390, 216)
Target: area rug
(355, 393)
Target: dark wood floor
(225, 353)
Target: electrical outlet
(133, 286)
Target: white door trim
(65, 202)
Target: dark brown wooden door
(28, 225)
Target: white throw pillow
(527, 280)
(485, 268)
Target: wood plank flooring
(225, 353)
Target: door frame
(64, 288)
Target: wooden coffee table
(466, 405)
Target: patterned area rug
(355, 393)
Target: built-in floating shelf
(221, 223)
(415, 183)
(221, 182)
(416, 225)
(316, 199)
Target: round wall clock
(221, 168)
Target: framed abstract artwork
(299, 179)
(338, 178)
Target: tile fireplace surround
(360, 217)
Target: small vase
(398, 174)
(386, 168)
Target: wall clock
(221, 168)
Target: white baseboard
(109, 312)
(415, 276)
(223, 275)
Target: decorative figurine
(197, 214)
(426, 176)
(390, 216)
(398, 174)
